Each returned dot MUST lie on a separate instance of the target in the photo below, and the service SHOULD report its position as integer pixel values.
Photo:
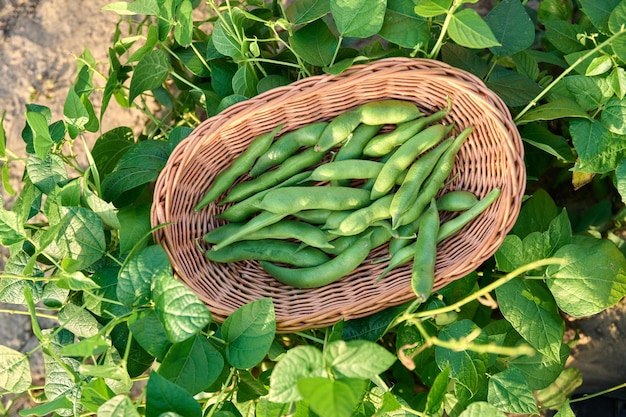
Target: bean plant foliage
(131, 340)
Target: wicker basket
(492, 156)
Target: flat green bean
(391, 111)
(289, 200)
(281, 251)
(240, 165)
(259, 221)
(425, 254)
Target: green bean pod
(353, 147)
(289, 200)
(282, 229)
(425, 254)
(447, 229)
(287, 145)
(326, 273)
(281, 251)
(384, 143)
(390, 111)
(259, 221)
(436, 180)
(405, 155)
(419, 171)
(314, 216)
(240, 165)
(245, 209)
(338, 130)
(457, 200)
(346, 169)
(290, 167)
(362, 218)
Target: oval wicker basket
(492, 156)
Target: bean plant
(131, 340)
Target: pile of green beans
(311, 204)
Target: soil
(39, 40)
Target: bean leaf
(599, 150)
(358, 18)
(138, 274)
(149, 73)
(509, 392)
(298, 363)
(118, 406)
(511, 26)
(556, 109)
(306, 11)
(350, 359)
(163, 396)
(249, 332)
(14, 370)
(468, 29)
(432, 8)
(593, 279)
(613, 116)
(315, 43)
(180, 311)
(531, 309)
(599, 12)
(481, 409)
(403, 27)
(193, 364)
(183, 31)
(332, 398)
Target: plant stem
(569, 69)
(487, 289)
(26, 313)
(598, 394)
(444, 30)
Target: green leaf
(118, 406)
(193, 364)
(147, 7)
(467, 366)
(464, 58)
(183, 315)
(134, 227)
(138, 166)
(45, 409)
(47, 172)
(151, 40)
(93, 345)
(599, 151)
(149, 332)
(75, 281)
(599, 65)
(11, 228)
(432, 8)
(617, 18)
(183, 31)
(514, 88)
(75, 112)
(557, 394)
(15, 374)
(358, 18)
(555, 10)
(617, 80)
(306, 11)
(149, 73)
(110, 147)
(589, 92)
(42, 141)
(371, 327)
(619, 47)
(532, 311)
(536, 214)
(315, 43)
(481, 409)
(593, 279)
(526, 64)
(105, 211)
(559, 232)
(556, 109)
(163, 396)
(138, 274)
(565, 411)
(249, 332)
(613, 116)
(564, 36)
(468, 29)
(332, 398)
(78, 320)
(225, 40)
(80, 238)
(541, 137)
(249, 387)
(515, 252)
(298, 363)
(540, 371)
(437, 392)
(511, 26)
(509, 392)
(245, 81)
(599, 12)
(352, 359)
(403, 27)
(620, 179)
(3, 136)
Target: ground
(39, 40)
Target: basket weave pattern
(492, 156)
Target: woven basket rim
(322, 89)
